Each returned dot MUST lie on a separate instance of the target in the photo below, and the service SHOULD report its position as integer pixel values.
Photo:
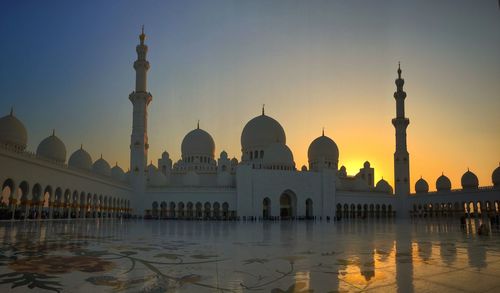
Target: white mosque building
(265, 183)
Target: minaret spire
(141, 65)
(142, 36)
(401, 155)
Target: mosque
(264, 183)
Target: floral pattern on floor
(177, 256)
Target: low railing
(459, 190)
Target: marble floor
(384, 255)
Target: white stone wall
(22, 167)
(254, 185)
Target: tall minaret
(140, 99)
(401, 156)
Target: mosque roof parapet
(28, 155)
(456, 190)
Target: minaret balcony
(136, 96)
(400, 121)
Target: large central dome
(198, 142)
(260, 132)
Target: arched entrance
(155, 209)
(309, 209)
(266, 208)
(288, 204)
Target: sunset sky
(68, 65)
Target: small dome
(469, 180)
(495, 177)
(101, 167)
(421, 186)
(12, 132)
(278, 155)
(223, 155)
(80, 159)
(260, 132)
(165, 155)
(152, 168)
(198, 142)
(342, 172)
(234, 162)
(52, 148)
(443, 183)
(303, 168)
(117, 173)
(323, 148)
(383, 186)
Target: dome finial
(142, 36)
(101, 156)
(12, 111)
(323, 131)
(53, 132)
(263, 106)
(198, 124)
(116, 163)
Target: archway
(216, 207)
(207, 210)
(471, 209)
(154, 209)
(288, 204)
(225, 210)
(266, 208)
(37, 201)
(198, 210)
(88, 206)
(74, 205)
(339, 211)
(180, 210)
(82, 210)
(7, 190)
(309, 209)
(172, 209)
(190, 213)
(57, 204)
(163, 210)
(45, 203)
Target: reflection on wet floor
(187, 256)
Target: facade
(264, 183)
